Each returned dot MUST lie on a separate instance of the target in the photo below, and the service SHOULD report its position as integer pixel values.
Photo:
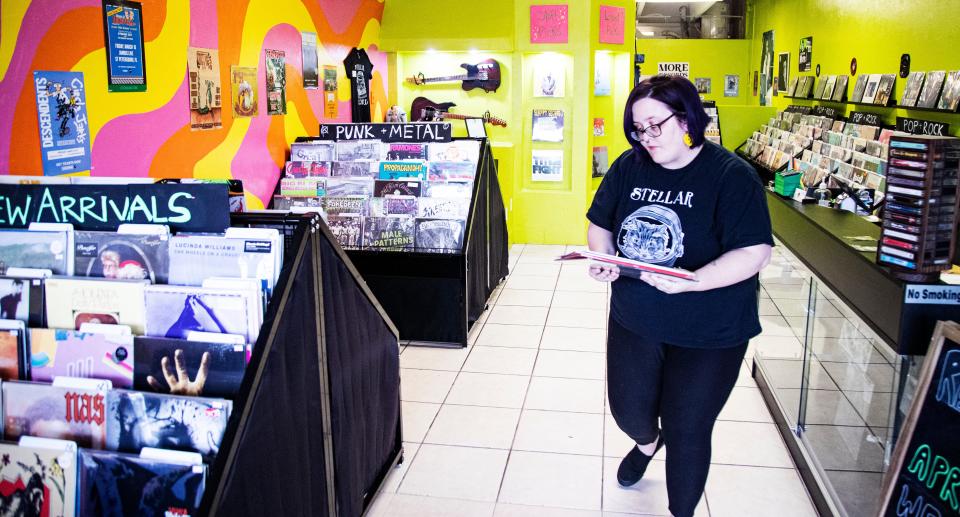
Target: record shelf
(316, 426)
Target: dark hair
(680, 95)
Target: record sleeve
(37, 481)
(930, 93)
(911, 92)
(451, 171)
(172, 311)
(383, 188)
(443, 208)
(859, 87)
(286, 203)
(455, 151)
(303, 187)
(346, 186)
(13, 351)
(439, 234)
(951, 92)
(35, 249)
(348, 229)
(402, 170)
(828, 87)
(295, 169)
(336, 205)
(45, 411)
(395, 232)
(870, 91)
(121, 255)
(159, 364)
(458, 189)
(22, 299)
(314, 151)
(885, 89)
(405, 151)
(72, 302)
(840, 90)
(365, 169)
(116, 484)
(355, 150)
(71, 353)
(547, 126)
(138, 419)
(400, 205)
(818, 89)
(194, 258)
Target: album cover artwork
(407, 151)
(303, 187)
(600, 162)
(295, 169)
(374, 207)
(547, 126)
(194, 258)
(354, 150)
(439, 234)
(121, 255)
(455, 151)
(360, 169)
(71, 353)
(884, 89)
(336, 205)
(287, 203)
(459, 189)
(315, 151)
(840, 89)
(194, 368)
(791, 89)
(173, 311)
(400, 205)
(37, 482)
(389, 232)
(911, 92)
(45, 411)
(22, 299)
(859, 87)
(115, 484)
(344, 186)
(71, 302)
(13, 350)
(383, 188)
(402, 170)
(951, 92)
(818, 89)
(828, 87)
(930, 93)
(451, 171)
(137, 419)
(870, 91)
(35, 249)
(443, 208)
(348, 229)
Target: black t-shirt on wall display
(360, 71)
(684, 218)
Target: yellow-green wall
(707, 58)
(874, 32)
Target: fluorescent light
(648, 33)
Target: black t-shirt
(684, 218)
(360, 71)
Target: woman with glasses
(675, 347)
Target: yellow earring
(687, 140)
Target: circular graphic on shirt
(652, 234)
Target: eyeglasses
(653, 130)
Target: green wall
(707, 58)
(874, 32)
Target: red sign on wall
(611, 24)
(548, 23)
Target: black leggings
(685, 388)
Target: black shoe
(634, 464)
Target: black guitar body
(487, 74)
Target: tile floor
(517, 425)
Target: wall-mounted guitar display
(425, 110)
(485, 75)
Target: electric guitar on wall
(485, 75)
(425, 110)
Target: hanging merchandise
(360, 71)
(243, 80)
(276, 82)
(205, 102)
(123, 32)
(308, 53)
(330, 91)
(64, 129)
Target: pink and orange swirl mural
(148, 134)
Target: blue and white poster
(64, 128)
(123, 30)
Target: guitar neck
(448, 78)
(456, 116)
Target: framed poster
(766, 69)
(783, 71)
(731, 85)
(703, 84)
(805, 56)
(123, 39)
(62, 116)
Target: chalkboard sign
(825, 111)
(922, 127)
(924, 477)
(388, 132)
(183, 207)
(864, 118)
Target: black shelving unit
(316, 426)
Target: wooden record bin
(920, 216)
